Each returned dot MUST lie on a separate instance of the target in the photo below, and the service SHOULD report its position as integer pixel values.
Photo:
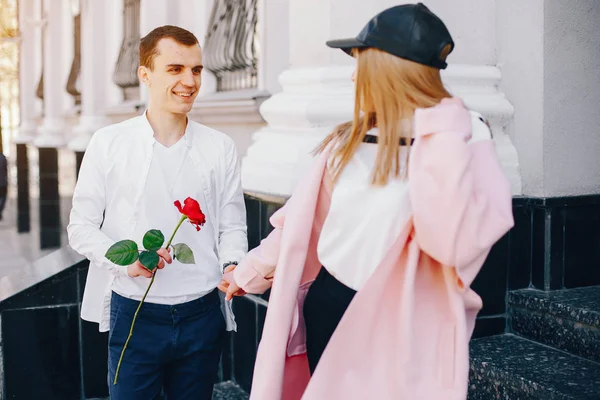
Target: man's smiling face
(175, 77)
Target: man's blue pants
(174, 349)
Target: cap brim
(346, 44)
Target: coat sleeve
(87, 212)
(233, 242)
(255, 272)
(461, 200)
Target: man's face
(174, 82)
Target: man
(130, 177)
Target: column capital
(312, 102)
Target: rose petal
(191, 209)
(178, 205)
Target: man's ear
(143, 75)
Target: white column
(317, 92)
(51, 132)
(155, 13)
(28, 74)
(114, 38)
(95, 76)
(195, 16)
(274, 44)
(477, 86)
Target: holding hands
(228, 285)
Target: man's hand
(228, 285)
(137, 269)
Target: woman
(371, 259)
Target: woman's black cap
(409, 31)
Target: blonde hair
(388, 90)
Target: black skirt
(325, 304)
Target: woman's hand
(228, 285)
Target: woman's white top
(364, 220)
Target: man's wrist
(227, 264)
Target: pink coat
(406, 333)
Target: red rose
(191, 209)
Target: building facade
(532, 68)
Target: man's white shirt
(127, 185)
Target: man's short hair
(148, 44)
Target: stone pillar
(318, 92)
(155, 13)
(52, 131)
(95, 76)
(30, 60)
(28, 74)
(273, 44)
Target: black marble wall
(564, 251)
(554, 244)
(48, 351)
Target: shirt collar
(148, 133)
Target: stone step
(228, 391)
(568, 320)
(508, 367)
(222, 391)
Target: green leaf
(124, 252)
(183, 253)
(153, 240)
(149, 259)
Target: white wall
(520, 44)
(308, 32)
(571, 97)
(274, 43)
(549, 55)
